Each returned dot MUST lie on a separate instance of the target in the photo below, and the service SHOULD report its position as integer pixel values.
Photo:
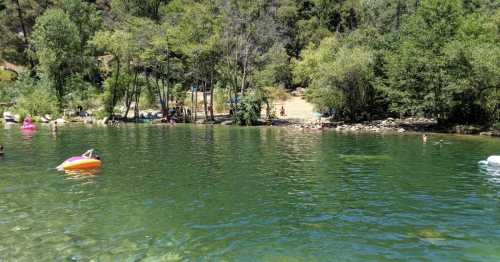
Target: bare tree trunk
(231, 106)
(212, 96)
(25, 33)
(60, 89)
(162, 97)
(168, 86)
(195, 103)
(268, 110)
(157, 88)
(205, 104)
(137, 97)
(398, 14)
(113, 98)
(167, 98)
(192, 102)
(244, 77)
(129, 95)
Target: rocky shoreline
(401, 126)
(377, 126)
(414, 125)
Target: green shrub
(6, 75)
(36, 102)
(100, 114)
(248, 111)
(34, 97)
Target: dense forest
(365, 59)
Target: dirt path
(297, 110)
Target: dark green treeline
(366, 59)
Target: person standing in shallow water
(424, 138)
(1, 150)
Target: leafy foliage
(55, 39)
(34, 97)
(444, 65)
(249, 110)
(365, 59)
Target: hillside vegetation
(362, 59)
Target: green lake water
(200, 193)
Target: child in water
(90, 154)
(27, 120)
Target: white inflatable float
(491, 161)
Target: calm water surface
(189, 193)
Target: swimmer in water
(89, 154)
(440, 143)
(424, 138)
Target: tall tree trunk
(212, 96)
(398, 14)
(113, 97)
(195, 104)
(130, 94)
(137, 97)
(168, 86)
(161, 94)
(60, 89)
(192, 103)
(231, 106)
(268, 110)
(167, 99)
(25, 33)
(244, 77)
(205, 100)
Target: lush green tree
(472, 60)
(17, 18)
(88, 21)
(275, 69)
(142, 8)
(197, 28)
(55, 39)
(416, 69)
(117, 47)
(129, 49)
(443, 64)
(163, 62)
(35, 96)
(339, 77)
(250, 108)
(387, 15)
